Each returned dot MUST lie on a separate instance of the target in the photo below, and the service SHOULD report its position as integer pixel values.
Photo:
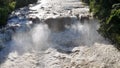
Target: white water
(77, 46)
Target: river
(55, 34)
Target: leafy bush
(6, 6)
(3, 15)
(12, 5)
(108, 11)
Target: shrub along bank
(108, 12)
(7, 6)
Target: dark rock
(58, 24)
(34, 20)
(22, 3)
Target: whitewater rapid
(55, 34)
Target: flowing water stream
(55, 34)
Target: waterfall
(55, 34)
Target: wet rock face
(86, 1)
(58, 24)
(5, 36)
(35, 20)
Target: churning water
(55, 34)
(39, 38)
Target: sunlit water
(58, 40)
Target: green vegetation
(108, 12)
(7, 6)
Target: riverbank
(108, 12)
(7, 6)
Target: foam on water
(77, 45)
(33, 44)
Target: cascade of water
(55, 34)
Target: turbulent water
(55, 34)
